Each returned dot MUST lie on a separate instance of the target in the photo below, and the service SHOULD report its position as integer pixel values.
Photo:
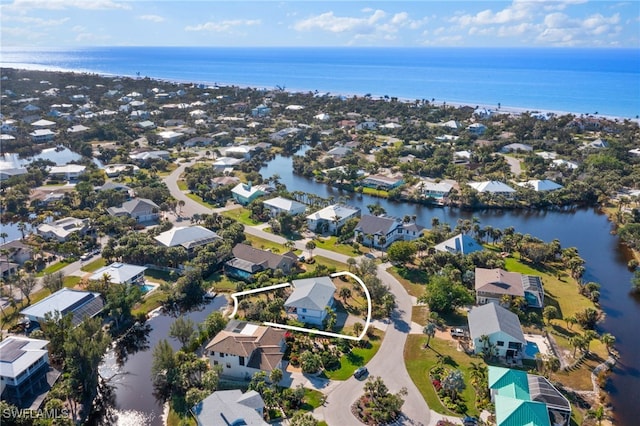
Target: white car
(457, 332)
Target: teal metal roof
(515, 412)
(510, 383)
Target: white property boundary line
(234, 296)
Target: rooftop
(19, 353)
(66, 300)
(187, 236)
(311, 293)
(119, 273)
(491, 318)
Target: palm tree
(344, 293)
(382, 241)
(477, 373)
(430, 331)
(310, 246)
(357, 328)
(608, 340)
(352, 264)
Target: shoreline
(504, 109)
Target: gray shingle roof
(376, 225)
(311, 293)
(490, 318)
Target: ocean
(604, 82)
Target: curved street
(388, 363)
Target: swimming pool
(146, 288)
(531, 350)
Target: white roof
(168, 134)
(119, 272)
(330, 212)
(64, 301)
(391, 126)
(186, 236)
(294, 107)
(43, 123)
(19, 353)
(42, 132)
(436, 186)
(68, 168)
(540, 185)
(568, 164)
(284, 204)
(62, 227)
(322, 116)
(246, 190)
(491, 186)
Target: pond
(60, 156)
(587, 229)
(134, 400)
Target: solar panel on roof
(12, 351)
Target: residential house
(224, 181)
(452, 125)
(43, 124)
(492, 326)
(461, 157)
(240, 151)
(310, 299)
(493, 284)
(9, 173)
(339, 152)
(170, 137)
(24, 364)
(493, 187)
(558, 163)
(145, 125)
(243, 349)
(121, 273)
(436, 190)
(79, 303)
(61, 229)
(539, 185)
(372, 228)
(17, 251)
(79, 128)
(188, 237)
(42, 135)
(382, 181)
(68, 172)
(516, 147)
(140, 209)
(114, 170)
(522, 398)
(248, 261)
(230, 407)
(331, 218)
(260, 111)
(223, 163)
(244, 193)
(477, 129)
(459, 244)
(283, 205)
(150, 155)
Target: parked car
(86, 256)
(457, 332)
(360, 372)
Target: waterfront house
(140, 209)
(310, 299)
(540, 185)
(243, 349)
(248, 261)
(493, 187)
(372, 228)
(16, 251)
(492, 326)
(492, 285)
(339, 152)
(61, 229)
(114, 170)
(223, 163)
(436, 190)
(68, 172)
(24, 364)
(188, 237)
(459, 244)
(150, 155)
(244, 193)
(331, 218)
(42, 135)
(230, 407)
(283, 205)
(522, 398)
(79, 303)
(382, 181)
(120, 273)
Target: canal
(135, 404)
(587, 229)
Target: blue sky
(517, 23)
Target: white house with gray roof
(493, 187)
(230, 407)
(24, 364)
(140, 209)
(331, 218)
(79, 303)
(310, 299)
(121, 273)
(188, 237)
(371, 229)
(502, 328)
(284, 205)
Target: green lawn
(221, 283)
(312, 399)
(94, 266)
(71, 281)
(53, 268)
(329, 263)
(158, 276)
(331, 243)
(152, 301)
(242, 215)
(413, 280)
(419, 362)
(357, 358)
(375, 192)
(182, 185)
(263, 244)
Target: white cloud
(67, 4)
(338, 24)
(79, 29)
(517, 11)
(91, 37)
(152, 18)
(33, 21)
(223, 26)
